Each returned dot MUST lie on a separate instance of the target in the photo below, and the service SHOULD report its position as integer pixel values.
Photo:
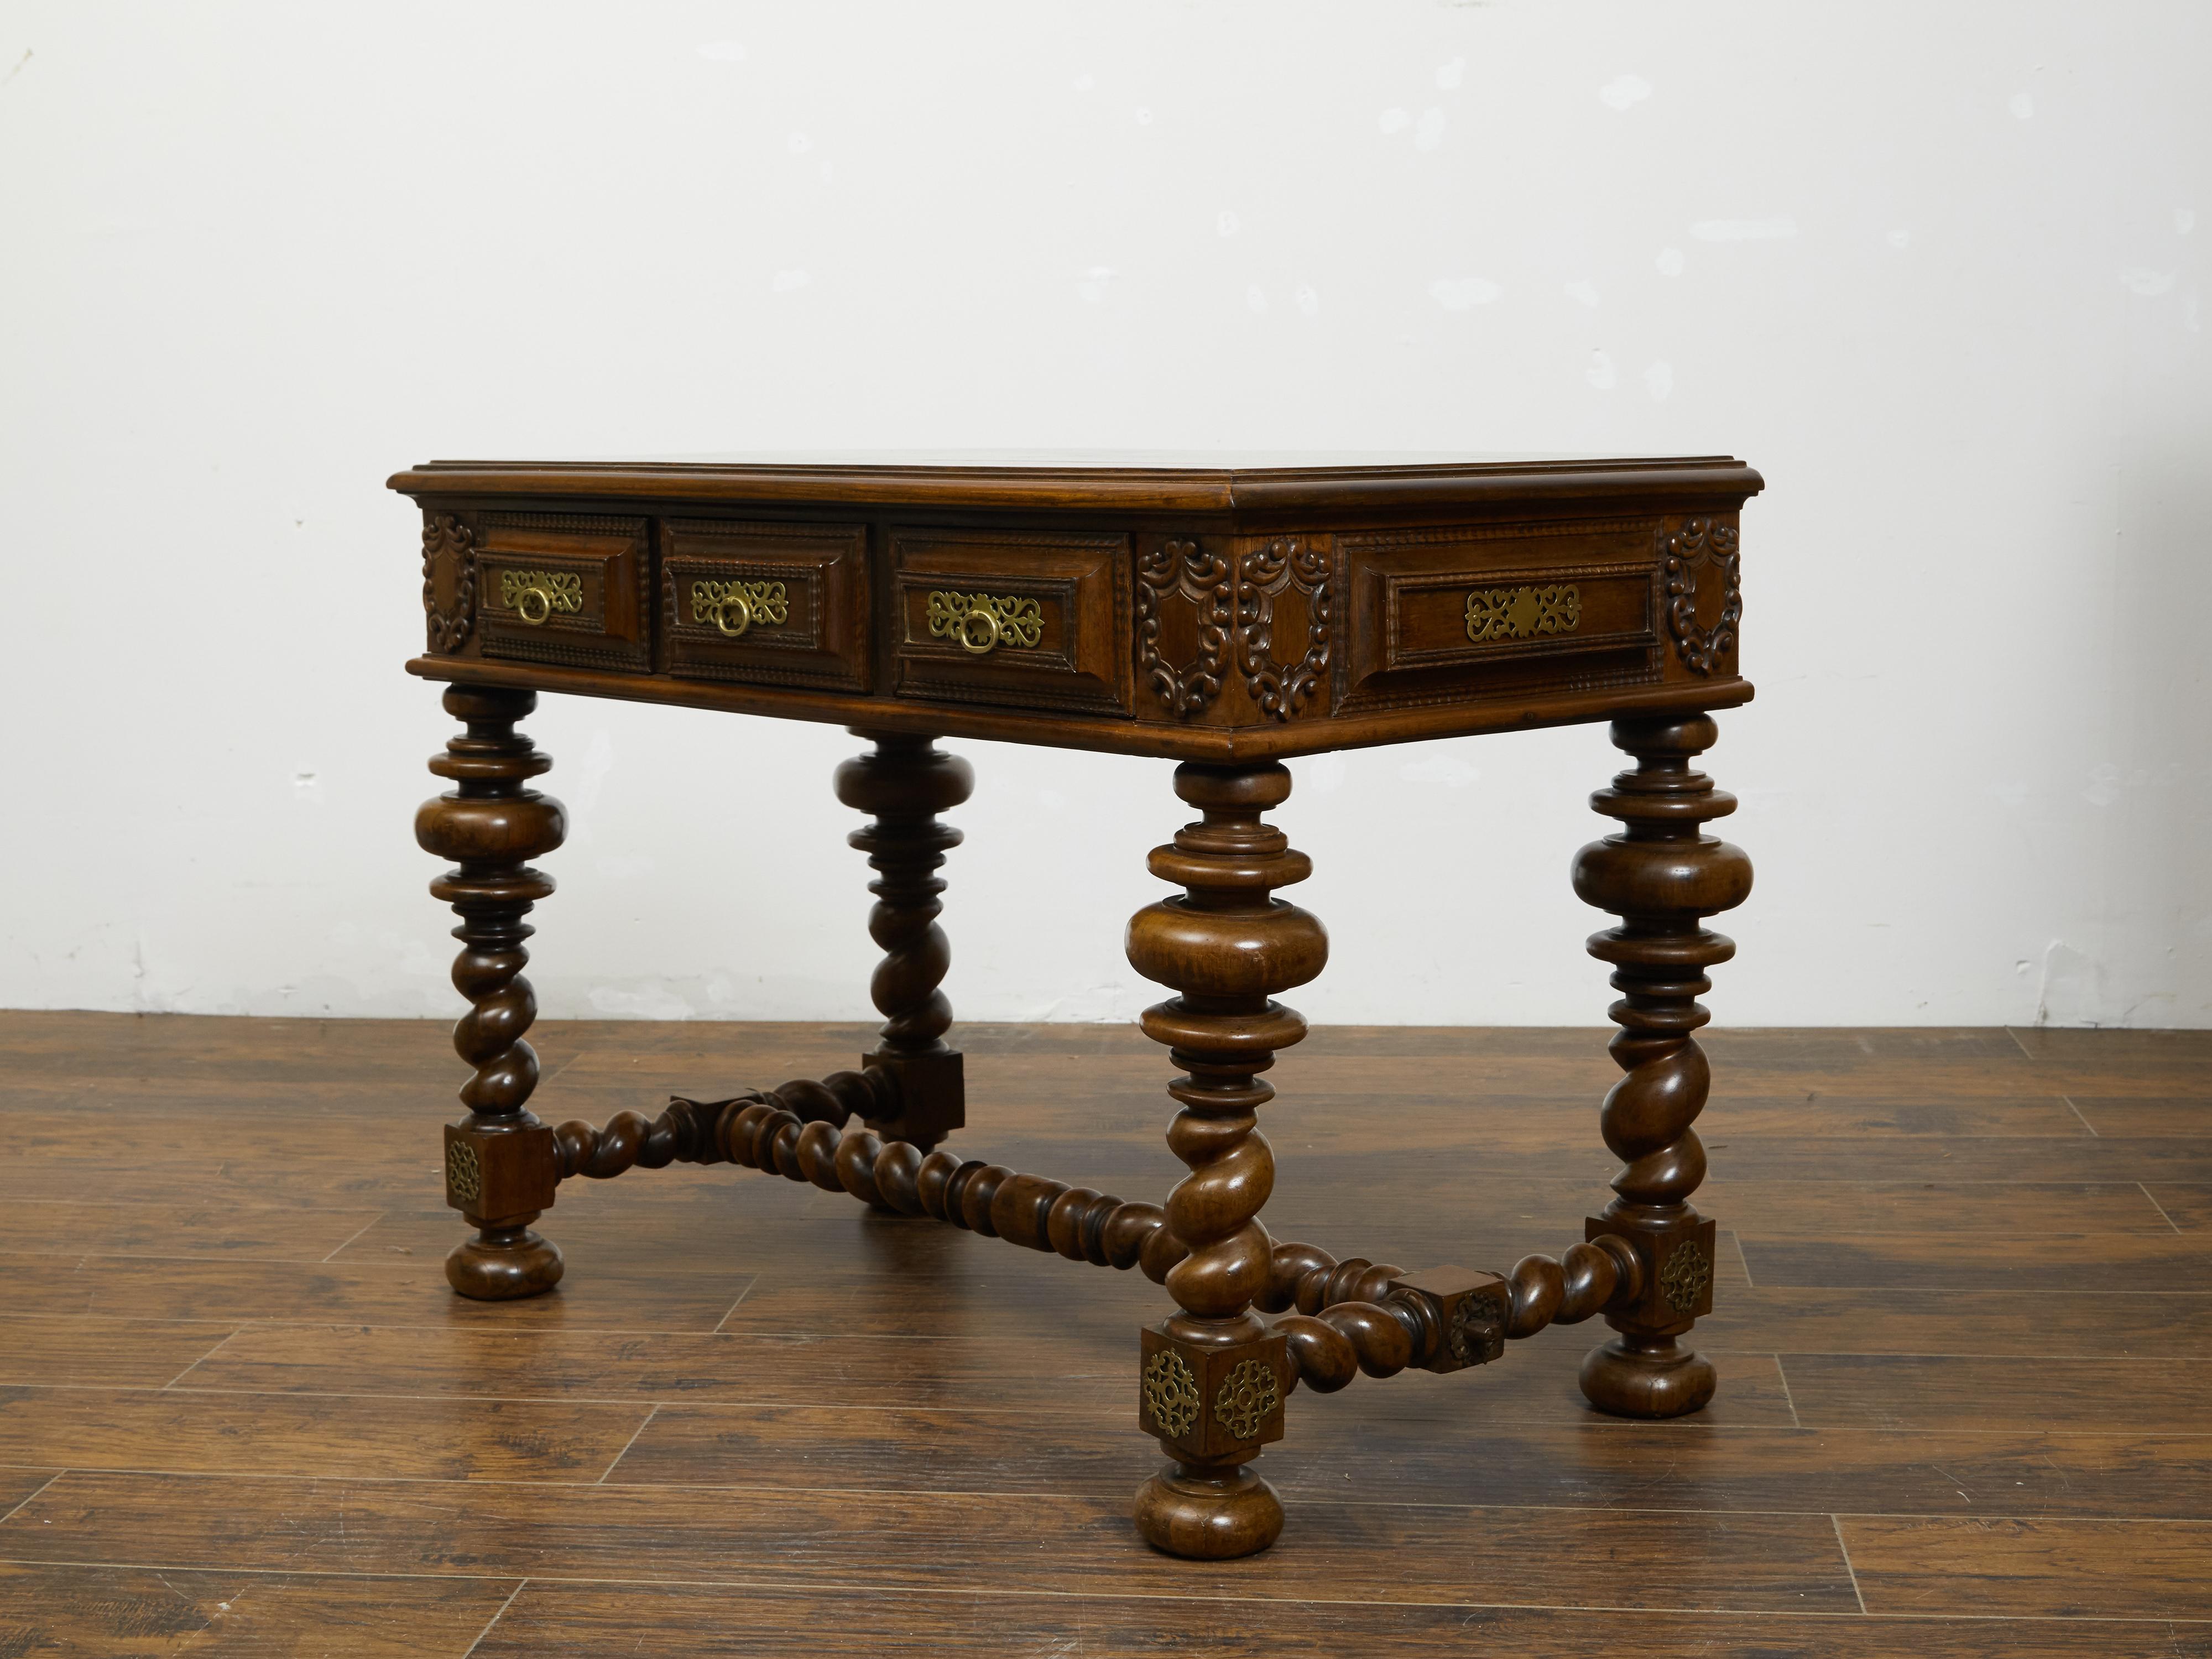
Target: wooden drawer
(561, 588)
(1034, 618)
(767, 604)
(1507, 610)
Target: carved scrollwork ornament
(1264, 574)
(464, 1171)
(1686, 554)
(445, 535)
(1172, 1393)
(1246, 1397)
(1205, 579)
(1682, 1281)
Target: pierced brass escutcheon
(1246, 1397)
(464, 1172)
(1172, 1393)
(734, 607)
(1684, 1279)
(982, 623)
(535, 595)
(1522, 613)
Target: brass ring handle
(989, 637)
(537, 617)
(744, 610)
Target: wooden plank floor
(1963, 1314)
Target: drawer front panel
(766, 604)
(559, 587)
(1506, 609)
(1030, 618)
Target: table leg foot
(1208, 1512)
(1637, 1376)
(504, 1264)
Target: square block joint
(933, 1095)
(1467, 1309)
(501, 1170)
(1213, 1403)
(1678, 1257)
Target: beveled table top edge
(1169, 488)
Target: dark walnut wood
(1223, 618)
(1660, 875)
(1215, 1374)
(499, 1158)
(1204, 613)
(904, 784)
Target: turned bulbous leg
(1661, 875)
(903, 784)
(500, 1165)
(1214, 1375)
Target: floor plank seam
(1318, 1498)
(20, 1508)
(2159, 1207)
(2077, 1112)
(349, 1239)
(1743, 1257)
(181, 1375)
(1845, 1549)
(1105, 1413)
(626, 1444)
(1788, 1398)
(495, 1618)
(903, 1588)
(733, 1307)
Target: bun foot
(1647, 1376)
(1208, 1516)
(501, 1264)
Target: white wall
(1936, 269)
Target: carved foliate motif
(1682, 1281)
(1246, 1397)
(447, 535)
(1699, 550)
(1172, 1393)
(464, 1171)
(1263, 575)
(1206, 580)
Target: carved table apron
(1225, 618)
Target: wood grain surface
(1962, 1308)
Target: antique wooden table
(1225, 617)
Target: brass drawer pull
(1522, 613)
(735, 606)
(535, 595)
(982, 624)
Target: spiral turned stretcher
(1342, 1318)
